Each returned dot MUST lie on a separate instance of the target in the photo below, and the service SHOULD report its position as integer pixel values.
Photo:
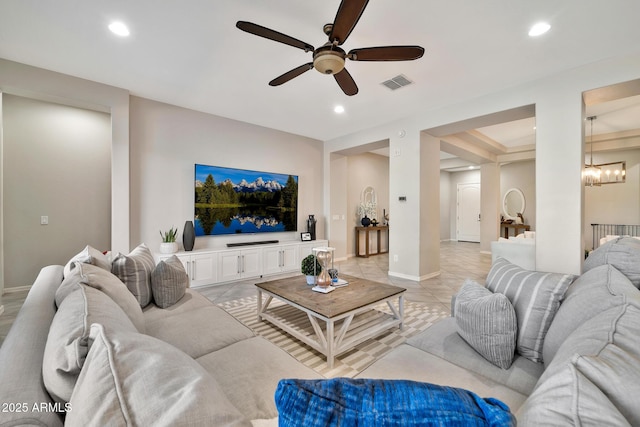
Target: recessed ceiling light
(119, 29)
(338, 109)
(471, 167)
(539, 29)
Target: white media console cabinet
(216, 266)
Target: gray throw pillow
(603, 351)
(67, 343)
(137, 380)
(595, 291)
(623, 253)
(569, 398)
(135, 271)
(169, 282)
(535, 296)
(487, 321)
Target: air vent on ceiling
(397, 82)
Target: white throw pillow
(89, 255)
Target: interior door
(468, 215)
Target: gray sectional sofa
(188, 364)
(194, 364)
(590, 368)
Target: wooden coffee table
(347, 314)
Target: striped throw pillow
(169, 282)
(487, 322)
(135, 271)
(535, 296)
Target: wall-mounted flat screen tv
(238, 201)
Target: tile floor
(458, 261)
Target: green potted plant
(308, 269)
(169, 245)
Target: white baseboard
(411, 277)
(16, 289)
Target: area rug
(417, 318)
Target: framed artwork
(305, 237)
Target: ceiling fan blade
(346, 19)
(291, 74)
(386, 53)
(346, 82)
(267, 33)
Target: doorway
(468, 213)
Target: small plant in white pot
(169, 245)
(308, 269)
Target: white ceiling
(189, 53)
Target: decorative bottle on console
(188, 236)
(311, 227)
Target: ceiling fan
(330, 58)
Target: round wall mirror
(513, 203)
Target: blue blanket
(369, 402)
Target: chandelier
(592, 173)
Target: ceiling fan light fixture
(328, 62)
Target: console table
(515, 227)
(366, 230)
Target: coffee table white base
(353, 330)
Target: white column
(559, 187)
(404, 204)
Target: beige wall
(466, 177)
(338, 198)
(613, 203)
(445, 205)
(364, 170)
(56, 162)
(166, 142)
(514, 175)
(521, 175)
(37, 83)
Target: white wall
(166, 142)
(56, 163)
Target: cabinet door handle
(238, 264)
(243, 263)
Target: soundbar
(260, 242)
